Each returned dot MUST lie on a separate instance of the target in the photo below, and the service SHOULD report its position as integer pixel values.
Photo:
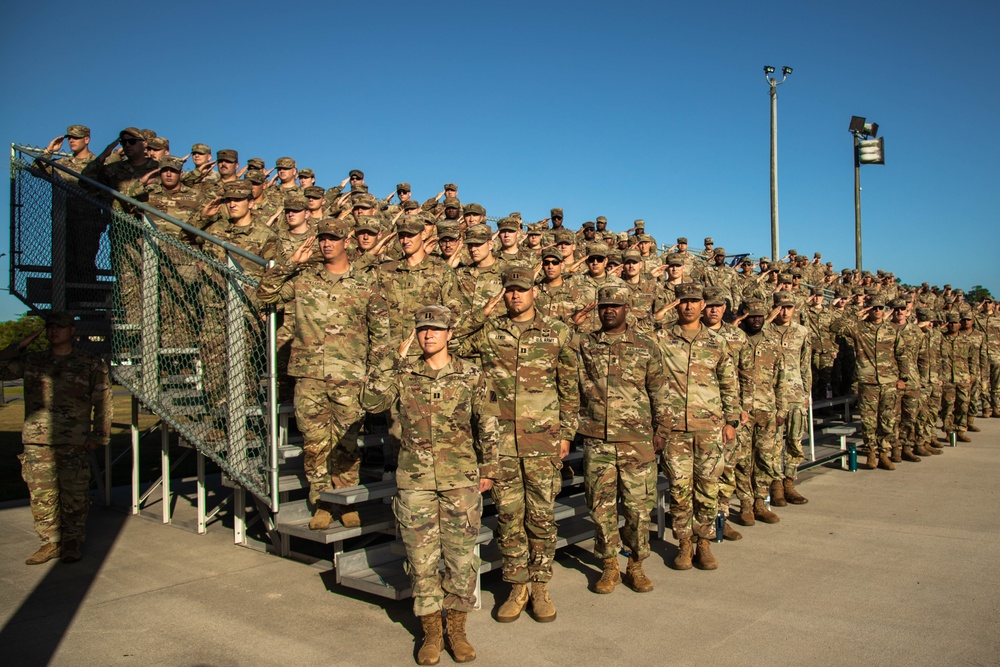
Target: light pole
(866, 151)
(773, 85)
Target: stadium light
(867, 150)
(773, 84)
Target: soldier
(989, 324)
(796, 350)
(434, 205)
(307, 178)
(882, 368)
(203, 172)
(341, 329)
(718, 274)
(482, 280)
(824, 347)
(908, 410)
(508, 230)
(624, 421)
(67, 413)
(709, 252)
(403, 192)
(287, 173)
(643, 288)
(447, 461)
(957, 359)
(157, 148)
(555, 297)
(314, 202)
(979, 365)
(531, 364)
(706, 411)
(588, 283)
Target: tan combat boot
(897, 454)
(761, 513)
(430, 650)
(610, 577)
(872, 462)
(884, 463)
(541, 606)
(908, 455)
(746, 512)
(511, 610)
(921, 450)
(730, 533)
(961, 437)
(461, 649)
(685, 550)
(778, 493)
(71, 551)
(705, 560)
(933, 446)
(635, 578)
(350, 519)
(322, 517)
(792, 495)
(45, 553)
(972, 424)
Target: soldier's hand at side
(563, 448)
(91, 446)
(404, 347)
(29, 339)
(659, 443)
(728, 433)
(485, 484)
(779, 420)
(744, 418)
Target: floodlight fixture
(871, 129)
(768, 69)
(857, 124)
(785, 70)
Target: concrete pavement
(886, 568)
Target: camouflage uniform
(557, 303)
(736, 453)
(585, 287)
(449, 420)
(67, 405)
(990, 326)
(704, 396)
(624, 403)
(908, 413)
(764, 401)
(797, 350)
(341, 329)
(929, 372)
(534, 373)
(824, 349)
(957, 360)
(979, 372)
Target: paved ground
(881, 568)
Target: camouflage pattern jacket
(406, 288)
(881, 353)
(739, 347)
(795, 343)
(929, 357)
(766, 393)
(958, 355)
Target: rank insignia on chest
(436, 395)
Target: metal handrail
(33, 152)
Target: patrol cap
(639, 224)
(783, 299)
(432, 317)
(709, 240)
(452, 202)
(236, 190)
(515, 214)
(876, 301)
(967, 315)
(816, 291)
(897, 304)
(284, 163)
(313, 191)
(147, 134)
(987, 299)
(255, 176)
(255, 163)
(469, 208)
(367, 223)
(426, 217)
(925, 285)
(621, 236)
(613, 295)
(402, 187)
(785, 279)
(227, 155)
(364, 200)
(765, 259)
(449, 230)
(674, 259)
(614, 258)
(598, 250)
(508, 225)
(951, 317)
(77, 131)
(689, 292)
(632, 255)
(719, 251)
(588, 225)
(555, 213)
(643, 238)
(924, 314)
(296, 203)
(552, 253)
(171, 162)
(478, 234)
(845, 272)
(131, 132)
(59, 318)
(536, 229)
(359, 189)
(410, 224)
(609, 236)
(793, 252)
(518, 277)
(410, 205)
(818, 255)
(450, 186)
(714, 296)
(947, 286)
(356, 173)
(756, 309)
(159, 144)
(748, 260)
(796, 273)
(307, 173)
(564, 236)
(338, 229)
(682, 239)
(201, 149)
(601, 219)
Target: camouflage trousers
(993, 399)
(955, 406)
(178, 295)
(877, 408)
(329, 415)
(524, 495)
(975, 395)
(58, 479)
(766, 454)
(908, 417)
(792, 433)
(737, 467)
(436, 526)
(614, 470)
(930, 411)
(693, 464)
(822, 372)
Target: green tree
(977, 294)
(12, 331)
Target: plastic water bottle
(720, 526)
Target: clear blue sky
(630, 110)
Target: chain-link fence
(171, 308)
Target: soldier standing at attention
(706, 408)
(530, 363)
(797, 352)
(625, 421)
(67, 412)
(443, 402)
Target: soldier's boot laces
(761, 513)
(685, 550)
(321, 518)
(635, 578)
(730, 533)
(778, 493)
(461, 649)
(897, 454)
(705, 560)
(961, 437)
(884, 463)
(542, 607)
(430, 650)
(71, 551)
(610, 577)
(908, 455)
(45, 553)
(511, 609)
(872, 462)
(745, 516)
(792, 494)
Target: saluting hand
(404, 347)
(303, 253)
